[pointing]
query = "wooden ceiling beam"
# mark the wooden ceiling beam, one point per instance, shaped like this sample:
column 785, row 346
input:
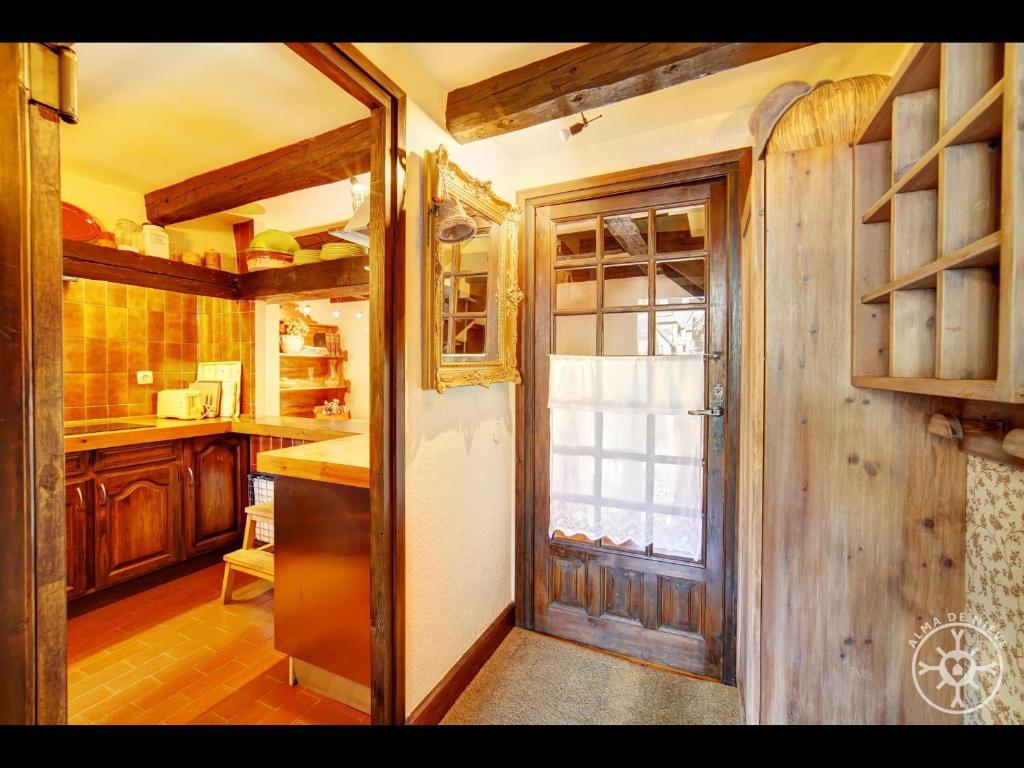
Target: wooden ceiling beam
column 588, row 77
column 332, row 156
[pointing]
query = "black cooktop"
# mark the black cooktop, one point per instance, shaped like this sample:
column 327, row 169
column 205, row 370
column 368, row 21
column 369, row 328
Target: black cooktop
column 100, row 426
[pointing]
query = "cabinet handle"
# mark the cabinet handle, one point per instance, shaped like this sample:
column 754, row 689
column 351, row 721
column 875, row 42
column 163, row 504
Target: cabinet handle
column 191, row 476
column 81, row 498
column 103, row 494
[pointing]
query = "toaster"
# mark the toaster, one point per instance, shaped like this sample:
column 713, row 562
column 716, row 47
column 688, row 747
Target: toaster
column 179, row 404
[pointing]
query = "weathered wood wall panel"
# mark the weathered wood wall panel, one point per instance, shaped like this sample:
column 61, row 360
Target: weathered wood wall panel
column 748, row 608
column 863, row 519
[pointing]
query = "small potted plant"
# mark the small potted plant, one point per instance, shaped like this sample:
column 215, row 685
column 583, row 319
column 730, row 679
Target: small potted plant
column 293, row 335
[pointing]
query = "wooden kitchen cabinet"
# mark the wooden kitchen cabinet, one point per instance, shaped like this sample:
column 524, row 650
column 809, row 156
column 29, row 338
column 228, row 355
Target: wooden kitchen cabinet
column 138, row 521
column 78, row 514
column 214, row 492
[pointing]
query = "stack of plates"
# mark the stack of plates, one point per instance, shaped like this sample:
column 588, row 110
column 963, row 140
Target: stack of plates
column 306, row 256
column 341, row 251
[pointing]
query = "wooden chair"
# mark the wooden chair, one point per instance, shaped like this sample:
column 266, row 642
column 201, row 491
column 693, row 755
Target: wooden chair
column 250, row 559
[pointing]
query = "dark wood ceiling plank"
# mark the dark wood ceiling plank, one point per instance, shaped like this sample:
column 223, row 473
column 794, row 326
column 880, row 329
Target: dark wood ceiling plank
column 332, row 156
column 588, row 77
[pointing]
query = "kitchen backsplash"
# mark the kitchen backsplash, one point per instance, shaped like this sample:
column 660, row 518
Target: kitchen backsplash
column 111, row 331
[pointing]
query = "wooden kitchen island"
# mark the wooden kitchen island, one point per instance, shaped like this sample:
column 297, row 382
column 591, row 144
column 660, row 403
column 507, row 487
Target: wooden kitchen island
column 322, row 564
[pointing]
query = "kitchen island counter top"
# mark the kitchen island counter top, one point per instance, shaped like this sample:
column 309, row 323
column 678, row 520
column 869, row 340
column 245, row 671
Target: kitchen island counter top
column 343, row 461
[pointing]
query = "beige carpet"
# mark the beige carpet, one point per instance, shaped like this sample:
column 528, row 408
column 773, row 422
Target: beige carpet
column 533, row 679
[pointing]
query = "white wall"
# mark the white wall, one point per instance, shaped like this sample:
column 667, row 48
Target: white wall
column 108, row 203
column 460, row 465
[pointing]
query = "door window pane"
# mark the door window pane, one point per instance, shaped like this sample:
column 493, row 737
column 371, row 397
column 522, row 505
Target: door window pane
column 576, row 335
column 625, row 333
column 679, row 332
column 576, row 288
column 679, row 229
column 626, row 235
column 624, row 432
column 626, row 285
column 680, row 282
column 576, row 240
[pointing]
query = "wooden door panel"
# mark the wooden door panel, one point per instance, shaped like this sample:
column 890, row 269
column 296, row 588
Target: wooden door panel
column 624, row 598
column 215, row 493
column 138, row 522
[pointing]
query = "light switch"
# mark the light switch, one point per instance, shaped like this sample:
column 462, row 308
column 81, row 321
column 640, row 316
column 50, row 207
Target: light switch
column 144, row 377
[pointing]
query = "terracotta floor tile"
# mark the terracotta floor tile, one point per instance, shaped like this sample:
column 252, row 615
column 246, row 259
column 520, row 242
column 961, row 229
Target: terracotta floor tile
column 176, row 654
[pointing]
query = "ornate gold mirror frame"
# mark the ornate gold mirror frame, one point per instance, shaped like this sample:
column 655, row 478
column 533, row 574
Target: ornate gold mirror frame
column 498, row 362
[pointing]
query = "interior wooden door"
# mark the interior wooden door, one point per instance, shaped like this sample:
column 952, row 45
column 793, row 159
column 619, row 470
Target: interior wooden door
column 635, row 274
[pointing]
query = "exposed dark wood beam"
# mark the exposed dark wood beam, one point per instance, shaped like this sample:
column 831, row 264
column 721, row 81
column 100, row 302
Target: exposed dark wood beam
column 331, row 156
column 588, row 77
column 320, row 280
column 318, row 239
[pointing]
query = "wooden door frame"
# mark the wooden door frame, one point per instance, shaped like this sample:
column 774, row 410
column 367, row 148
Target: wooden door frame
column 33, row 618
column 732, row 165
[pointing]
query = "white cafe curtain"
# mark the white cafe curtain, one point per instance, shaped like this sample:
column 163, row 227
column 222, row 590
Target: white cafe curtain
column 626, row 458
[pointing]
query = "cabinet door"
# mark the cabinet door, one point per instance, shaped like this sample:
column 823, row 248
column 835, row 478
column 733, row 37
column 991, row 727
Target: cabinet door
column 138, row 522
column 77, row 503
column 214, row 494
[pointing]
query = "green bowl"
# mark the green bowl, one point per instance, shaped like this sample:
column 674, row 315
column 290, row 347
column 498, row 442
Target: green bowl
column 274, row 240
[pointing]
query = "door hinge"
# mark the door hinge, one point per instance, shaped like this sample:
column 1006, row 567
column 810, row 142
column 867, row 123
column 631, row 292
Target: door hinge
column 53, row 78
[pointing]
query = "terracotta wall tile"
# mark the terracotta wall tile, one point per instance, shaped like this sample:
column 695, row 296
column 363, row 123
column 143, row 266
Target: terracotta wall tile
column 155, row 325
column 137, row 325
column 73, row 291
column 95, row 321
column 74, row 390
column 74, row 355
column 117, row 322
column 112, row 331
column 95, row 389
column 95, row 292
column 95, row 356
column 117, row 355
column 74, row 320
column 117, row 295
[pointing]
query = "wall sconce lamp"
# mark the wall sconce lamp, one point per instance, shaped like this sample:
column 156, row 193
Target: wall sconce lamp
column 572, row 130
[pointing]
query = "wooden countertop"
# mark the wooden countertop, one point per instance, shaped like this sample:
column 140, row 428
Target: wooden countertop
column 344, row 461
column 151, row 430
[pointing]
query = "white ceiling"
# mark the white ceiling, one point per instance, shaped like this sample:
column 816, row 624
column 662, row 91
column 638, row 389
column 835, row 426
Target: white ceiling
column 156, row 113
column 454, row 65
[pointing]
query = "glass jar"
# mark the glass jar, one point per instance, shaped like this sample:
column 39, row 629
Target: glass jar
column 126, row 235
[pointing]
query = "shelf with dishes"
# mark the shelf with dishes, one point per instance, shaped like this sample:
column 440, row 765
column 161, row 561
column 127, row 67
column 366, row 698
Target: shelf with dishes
column 274, row 249
column 938, row 211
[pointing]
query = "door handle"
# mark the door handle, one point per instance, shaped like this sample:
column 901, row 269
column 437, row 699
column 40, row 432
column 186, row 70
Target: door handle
column 81, row 498
column 716, row 411
column 191, row 476
column 103, row 494
column 712, row 355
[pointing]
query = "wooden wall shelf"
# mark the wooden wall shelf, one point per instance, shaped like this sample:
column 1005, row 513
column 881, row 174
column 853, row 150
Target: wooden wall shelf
column 984, row 122
column 341, row 278
column 938, row 283
column 99, row 262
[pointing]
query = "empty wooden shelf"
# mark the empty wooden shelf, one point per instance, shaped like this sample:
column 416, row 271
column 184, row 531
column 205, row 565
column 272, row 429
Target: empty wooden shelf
column 938, row 283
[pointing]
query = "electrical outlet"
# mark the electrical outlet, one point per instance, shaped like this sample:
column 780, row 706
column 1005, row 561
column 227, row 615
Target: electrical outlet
column 144, row 377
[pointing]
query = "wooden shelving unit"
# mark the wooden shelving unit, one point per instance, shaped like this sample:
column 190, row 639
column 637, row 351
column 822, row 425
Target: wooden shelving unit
column 299, row 401
column 346, row 279
column 938, row 284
